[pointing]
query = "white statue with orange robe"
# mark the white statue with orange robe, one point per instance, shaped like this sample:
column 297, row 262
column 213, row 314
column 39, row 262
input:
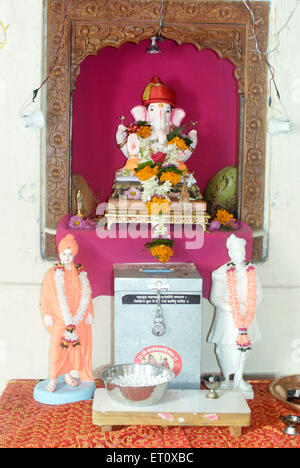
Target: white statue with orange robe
column 67, row 310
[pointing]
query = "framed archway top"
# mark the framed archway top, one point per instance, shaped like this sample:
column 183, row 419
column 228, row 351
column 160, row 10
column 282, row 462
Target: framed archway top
column 225, row 27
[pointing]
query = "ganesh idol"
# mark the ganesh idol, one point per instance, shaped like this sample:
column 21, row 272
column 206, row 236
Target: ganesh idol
column 156, row 146
column 156, row 119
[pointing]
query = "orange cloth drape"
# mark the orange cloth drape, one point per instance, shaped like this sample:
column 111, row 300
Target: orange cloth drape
column 77, row 358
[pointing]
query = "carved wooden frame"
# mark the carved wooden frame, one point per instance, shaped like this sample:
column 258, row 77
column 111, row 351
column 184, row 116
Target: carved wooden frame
column 225, row 27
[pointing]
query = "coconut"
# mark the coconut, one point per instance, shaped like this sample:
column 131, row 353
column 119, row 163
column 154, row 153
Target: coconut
column 221, row 191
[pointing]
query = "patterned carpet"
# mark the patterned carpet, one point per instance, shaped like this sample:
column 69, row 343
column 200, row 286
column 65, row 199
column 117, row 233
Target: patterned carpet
column 24, row 423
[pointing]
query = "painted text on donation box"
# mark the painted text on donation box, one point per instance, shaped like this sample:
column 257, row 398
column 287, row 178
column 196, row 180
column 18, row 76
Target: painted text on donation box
column 157, row 319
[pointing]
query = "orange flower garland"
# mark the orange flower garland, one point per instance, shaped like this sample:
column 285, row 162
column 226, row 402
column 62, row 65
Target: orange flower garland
column 179, row 142
column 147, row 172
column 223, row 217
column 162, row 253
column 242, row 321
column 144, row 131
column 161, row 249
column 171, row 177
column 158, row 205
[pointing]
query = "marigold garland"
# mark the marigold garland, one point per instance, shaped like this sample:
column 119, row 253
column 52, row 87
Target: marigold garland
column 223, row 217
column 170, row 173
column 182, row 141
column 179, row 142
column 242, row 321
column 171, row 177
column 162, row 253
column 158, row 205
column 144, row 131
column 161, row 249
column 141, row 128
column 146, row 172
column 224, row 221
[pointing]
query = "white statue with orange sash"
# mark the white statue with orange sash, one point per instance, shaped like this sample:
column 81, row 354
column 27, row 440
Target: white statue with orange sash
column 67, row 311
column 236, row 292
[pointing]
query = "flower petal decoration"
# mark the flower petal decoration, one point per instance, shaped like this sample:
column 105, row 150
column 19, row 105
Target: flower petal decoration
column 75, row 222
column 159, row 157
column 133, row 193
column 214, row 226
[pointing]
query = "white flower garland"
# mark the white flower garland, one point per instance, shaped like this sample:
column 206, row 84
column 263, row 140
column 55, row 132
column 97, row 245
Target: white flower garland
column 83, row 305
column 152, row 187
column 147, row 147
column 158, row 224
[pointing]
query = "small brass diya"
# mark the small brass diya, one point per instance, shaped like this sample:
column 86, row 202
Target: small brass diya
column 292, row 423
column 212, row 382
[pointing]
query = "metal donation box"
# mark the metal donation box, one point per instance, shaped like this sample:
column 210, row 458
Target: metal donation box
column 157, row 318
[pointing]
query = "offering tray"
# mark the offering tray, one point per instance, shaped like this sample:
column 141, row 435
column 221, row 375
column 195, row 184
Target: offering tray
column 176, row 408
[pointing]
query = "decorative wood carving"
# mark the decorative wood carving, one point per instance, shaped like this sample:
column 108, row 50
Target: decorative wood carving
column 91, row 25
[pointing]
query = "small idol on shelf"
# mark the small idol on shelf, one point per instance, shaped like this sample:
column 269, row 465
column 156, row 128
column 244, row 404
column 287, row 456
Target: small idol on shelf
column 235, row 292
column 78, row 221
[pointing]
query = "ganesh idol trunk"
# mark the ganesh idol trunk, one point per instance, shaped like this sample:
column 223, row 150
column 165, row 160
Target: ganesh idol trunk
column 157, row 319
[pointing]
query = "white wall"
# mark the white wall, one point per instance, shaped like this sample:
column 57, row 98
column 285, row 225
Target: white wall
column 23, row 340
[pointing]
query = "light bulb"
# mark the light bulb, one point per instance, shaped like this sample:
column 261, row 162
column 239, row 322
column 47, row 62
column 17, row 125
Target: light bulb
column 153, row 48
column 32, row 120
column 280, row 127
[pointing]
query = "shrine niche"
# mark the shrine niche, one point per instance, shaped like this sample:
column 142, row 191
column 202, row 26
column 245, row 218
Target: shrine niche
column 224, row 27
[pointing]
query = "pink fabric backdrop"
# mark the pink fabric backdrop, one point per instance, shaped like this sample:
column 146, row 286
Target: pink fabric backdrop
column 98, row 255
column 112, row 82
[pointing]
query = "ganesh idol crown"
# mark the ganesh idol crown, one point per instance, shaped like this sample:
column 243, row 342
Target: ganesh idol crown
column 157, row 148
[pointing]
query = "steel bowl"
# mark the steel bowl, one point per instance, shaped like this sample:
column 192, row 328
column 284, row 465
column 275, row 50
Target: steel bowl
column 136, row 384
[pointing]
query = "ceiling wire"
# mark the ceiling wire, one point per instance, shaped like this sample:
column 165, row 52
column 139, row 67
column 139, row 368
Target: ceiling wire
column 257, row 44
column 161, row 18
column 35, row 91
column 284, row 26
column 264, row 54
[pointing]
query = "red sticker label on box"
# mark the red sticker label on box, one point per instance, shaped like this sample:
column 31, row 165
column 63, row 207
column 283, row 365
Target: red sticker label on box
column 160, row 356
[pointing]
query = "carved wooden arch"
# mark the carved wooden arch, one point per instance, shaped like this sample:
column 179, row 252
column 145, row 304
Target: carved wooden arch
column 225, row 27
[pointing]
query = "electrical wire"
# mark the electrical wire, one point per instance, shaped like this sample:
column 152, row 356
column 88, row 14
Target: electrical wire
column 35, row 91
column 161, row 18
column 258, row 47
column 285, row 25
column 264, row 54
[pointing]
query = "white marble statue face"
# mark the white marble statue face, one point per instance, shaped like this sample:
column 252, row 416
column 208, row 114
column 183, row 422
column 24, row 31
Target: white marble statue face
column 66, row 257
column 237, row 252
column 236, row 249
